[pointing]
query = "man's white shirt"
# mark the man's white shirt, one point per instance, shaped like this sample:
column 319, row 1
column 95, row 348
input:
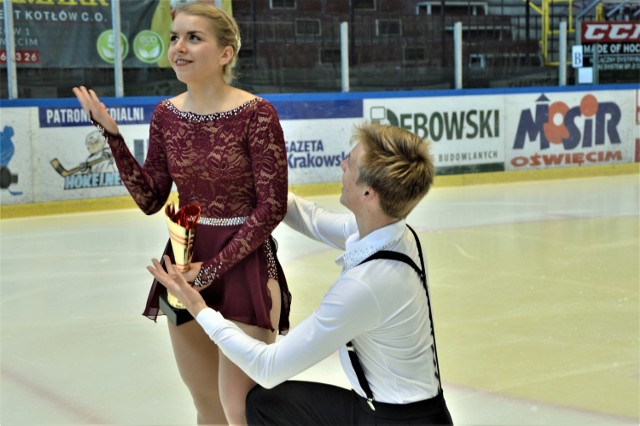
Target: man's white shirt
column 380, row 306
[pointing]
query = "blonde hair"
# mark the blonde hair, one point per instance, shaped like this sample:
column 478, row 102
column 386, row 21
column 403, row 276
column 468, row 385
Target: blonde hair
column 397, row 164
column 224, row 27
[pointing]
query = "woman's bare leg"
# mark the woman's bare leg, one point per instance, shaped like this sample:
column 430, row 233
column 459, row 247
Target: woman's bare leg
column 234, row 384
column 197, row 359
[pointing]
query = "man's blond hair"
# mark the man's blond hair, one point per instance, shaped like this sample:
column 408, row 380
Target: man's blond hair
column 397, row 164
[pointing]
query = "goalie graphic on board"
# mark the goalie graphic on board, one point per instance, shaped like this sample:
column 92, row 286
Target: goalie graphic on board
column 100, row 159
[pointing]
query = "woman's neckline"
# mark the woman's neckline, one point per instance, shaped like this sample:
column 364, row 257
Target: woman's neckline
column 205, row 117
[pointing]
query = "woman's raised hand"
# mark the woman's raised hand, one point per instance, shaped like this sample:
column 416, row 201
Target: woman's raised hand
column 96, row 109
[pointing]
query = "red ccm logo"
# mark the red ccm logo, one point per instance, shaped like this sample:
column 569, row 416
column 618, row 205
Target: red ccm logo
column 611, row 32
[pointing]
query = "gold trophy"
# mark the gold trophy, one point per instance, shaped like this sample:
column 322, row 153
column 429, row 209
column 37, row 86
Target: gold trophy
column 182, row 227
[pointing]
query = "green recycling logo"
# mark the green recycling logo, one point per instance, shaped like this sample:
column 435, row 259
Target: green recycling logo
column 148, row 46
column 106, row 46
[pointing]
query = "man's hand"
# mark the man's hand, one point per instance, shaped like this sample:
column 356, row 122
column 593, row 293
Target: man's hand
column 177, row 285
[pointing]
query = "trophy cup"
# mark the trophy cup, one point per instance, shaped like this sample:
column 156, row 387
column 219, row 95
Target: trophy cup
column 182, row 227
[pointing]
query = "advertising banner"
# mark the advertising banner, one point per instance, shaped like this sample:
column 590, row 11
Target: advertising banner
column 611, row 32
column 569, row 129
column 317, row 133
column 315, row 148
column 52, row 152
column 78, row 33
column 614, row 56
column 637, row 126
column 617, row 44
column 464, row 131
column 75, row 160
column 16, row 155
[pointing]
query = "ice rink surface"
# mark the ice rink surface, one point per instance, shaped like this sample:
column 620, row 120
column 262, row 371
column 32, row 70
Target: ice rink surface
column 534, row 285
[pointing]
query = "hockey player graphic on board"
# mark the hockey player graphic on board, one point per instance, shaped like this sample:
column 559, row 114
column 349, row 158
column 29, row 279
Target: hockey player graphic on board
column 100, row 159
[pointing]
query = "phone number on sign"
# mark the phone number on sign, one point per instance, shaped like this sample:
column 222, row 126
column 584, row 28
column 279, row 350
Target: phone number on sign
column 22, row 56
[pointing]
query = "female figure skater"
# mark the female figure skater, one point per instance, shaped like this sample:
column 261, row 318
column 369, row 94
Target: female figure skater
column 224, row 149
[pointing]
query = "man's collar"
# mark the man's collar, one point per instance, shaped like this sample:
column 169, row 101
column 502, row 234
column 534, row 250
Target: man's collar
column 358, row 249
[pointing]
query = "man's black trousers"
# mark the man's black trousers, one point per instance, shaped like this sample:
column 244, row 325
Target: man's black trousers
column 298, row 403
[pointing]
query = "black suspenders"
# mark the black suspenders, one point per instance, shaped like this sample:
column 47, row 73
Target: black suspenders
column 400, row 257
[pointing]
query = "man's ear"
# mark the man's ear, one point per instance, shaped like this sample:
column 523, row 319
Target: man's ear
column 369, row 193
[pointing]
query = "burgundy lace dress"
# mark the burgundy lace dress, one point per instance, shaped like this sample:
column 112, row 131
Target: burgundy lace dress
column 234, row 165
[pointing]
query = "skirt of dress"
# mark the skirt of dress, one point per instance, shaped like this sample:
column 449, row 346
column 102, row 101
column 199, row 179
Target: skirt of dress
column 241, row 294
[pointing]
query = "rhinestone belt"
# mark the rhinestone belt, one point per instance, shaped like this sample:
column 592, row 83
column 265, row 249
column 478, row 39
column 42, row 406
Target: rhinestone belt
column 222, row 221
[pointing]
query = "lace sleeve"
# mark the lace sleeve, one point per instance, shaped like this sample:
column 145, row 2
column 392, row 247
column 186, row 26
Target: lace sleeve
column 269, row 164
column 149, row 185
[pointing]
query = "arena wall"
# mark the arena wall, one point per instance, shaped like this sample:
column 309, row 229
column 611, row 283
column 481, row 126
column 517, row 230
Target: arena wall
column 44, row 144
